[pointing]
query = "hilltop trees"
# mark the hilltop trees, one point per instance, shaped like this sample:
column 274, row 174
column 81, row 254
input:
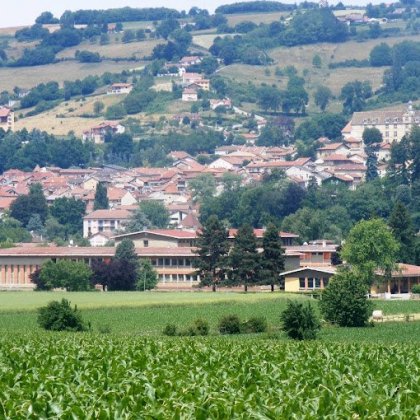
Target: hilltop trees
column 322, row 97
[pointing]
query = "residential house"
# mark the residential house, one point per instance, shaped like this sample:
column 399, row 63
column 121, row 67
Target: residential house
column 332, row 148
column 97, row 134
column 223, row 103
column 105, row 221
column 7, row 119
column 189, row 95
column 120, row 88
column 190, row 60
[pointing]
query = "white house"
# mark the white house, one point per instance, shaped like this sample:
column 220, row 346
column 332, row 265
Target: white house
column 120, row 88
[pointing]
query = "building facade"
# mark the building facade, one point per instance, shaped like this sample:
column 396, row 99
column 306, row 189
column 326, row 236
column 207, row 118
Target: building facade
column 7, row 119
column 393, row 125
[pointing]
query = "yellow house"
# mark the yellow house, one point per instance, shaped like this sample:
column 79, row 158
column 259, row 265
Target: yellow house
column 307, row 279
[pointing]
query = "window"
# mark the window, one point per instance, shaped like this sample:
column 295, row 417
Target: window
column 167, row 261
column 325, row 280
column 154, row 261
column 317, row 283
column 180, row 262
column 160, row 261
column 310, row 283
column 188, row 262
column 301, row 283
column 386, row 133
column 145, row 243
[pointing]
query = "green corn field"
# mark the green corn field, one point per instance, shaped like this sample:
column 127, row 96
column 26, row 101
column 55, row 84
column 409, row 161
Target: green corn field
column 59, row 375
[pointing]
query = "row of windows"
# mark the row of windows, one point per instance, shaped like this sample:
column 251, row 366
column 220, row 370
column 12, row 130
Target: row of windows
column 312, row 282
column 171, row 262
column 177, row 277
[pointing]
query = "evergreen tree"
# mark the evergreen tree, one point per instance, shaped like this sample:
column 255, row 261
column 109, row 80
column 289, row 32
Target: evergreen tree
column 372, row 166
column 126, row 251
column 213, row 248
column 101, row 197
column 244, row 258
column 272, row 257
column 35, row 225
column 402, row 228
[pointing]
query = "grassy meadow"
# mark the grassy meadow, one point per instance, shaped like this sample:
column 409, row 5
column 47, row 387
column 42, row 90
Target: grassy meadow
column 148, row 313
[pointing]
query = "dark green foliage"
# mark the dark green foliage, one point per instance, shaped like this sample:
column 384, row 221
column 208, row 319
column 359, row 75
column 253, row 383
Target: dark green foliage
column 381, row 55
column 354, row 95
column 322, row 97
column 272, row 257
column 371, row 135
column 254, row 325
column 344, row 301
column 403, row 231
column 38, row 281
column 147, row 277
column 299, row 321
column 199, row 327
column 11, row 231
column 101, row 197
column 73, row 276
column 156, row 212
column 32, row 33
column 46, row 18
column 416, row 289
column 229, row 324
column 244, row 260
column 59, row 316
column 27, row 205
column 88, row 57
column 170, row 330
column 69, row 212
column 212, row 249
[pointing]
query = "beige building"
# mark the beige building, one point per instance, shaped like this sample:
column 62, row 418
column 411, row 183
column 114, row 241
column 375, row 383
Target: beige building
column 189, row 95
column 7, row 119
column 105, row 221
column 393, row 125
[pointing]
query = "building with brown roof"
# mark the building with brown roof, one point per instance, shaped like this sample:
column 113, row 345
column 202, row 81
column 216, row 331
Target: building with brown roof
column 7, row 119
column 105, row 221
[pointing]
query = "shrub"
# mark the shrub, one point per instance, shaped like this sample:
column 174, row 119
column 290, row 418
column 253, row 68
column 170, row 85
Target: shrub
column 201, row 327
column 254, row 325
column 416, row 289
column 230, row 324
column 344, row 301
column 59, row 316
column 300, row 321
column 170, row 330
column 104, row 329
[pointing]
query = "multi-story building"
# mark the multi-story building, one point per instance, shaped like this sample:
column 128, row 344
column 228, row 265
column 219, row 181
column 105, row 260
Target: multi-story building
column 120, row 88
column 105, row 221
column 7, row 119
column 97, row 134
column 393, row 125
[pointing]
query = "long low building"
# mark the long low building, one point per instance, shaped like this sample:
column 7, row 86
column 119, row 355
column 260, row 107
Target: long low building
column 174, row 265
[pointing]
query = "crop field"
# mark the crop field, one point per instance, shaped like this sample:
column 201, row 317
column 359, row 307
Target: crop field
column 89, row 376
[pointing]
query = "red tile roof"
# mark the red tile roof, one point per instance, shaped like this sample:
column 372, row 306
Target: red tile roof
column 108, row 214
